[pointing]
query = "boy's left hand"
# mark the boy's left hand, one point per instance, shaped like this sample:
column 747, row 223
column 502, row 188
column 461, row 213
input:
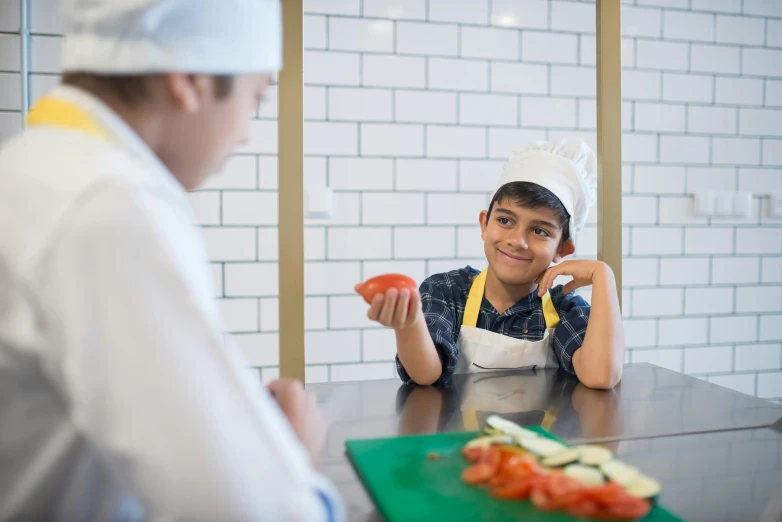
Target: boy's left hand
column 583, row 272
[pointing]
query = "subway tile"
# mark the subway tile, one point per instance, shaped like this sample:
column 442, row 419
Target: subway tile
column 735, row 270
column 759, row 299
column 426, row 174
column 427, row 39
column 364, row 35
column 424, row 242
column 700, row 301
column 392, row 209
column 361, row 173
column 711, row 359
column 684, row 271
column 489, row 42
column 251, row 279
column 459, row 11
column 751, row 357
column 393, row 71
column 454, row 209
column 519, row 78
column 737, row 329
column 397, row 139
column 455, row 74
column 359, row 243
column 680, row 331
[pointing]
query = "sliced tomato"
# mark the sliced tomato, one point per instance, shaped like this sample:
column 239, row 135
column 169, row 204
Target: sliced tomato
column 472, row 454
column 629, row 509
column 565, row 490
column 478, row 473
column 583, row 508
column 541, row 498
column 607, row 494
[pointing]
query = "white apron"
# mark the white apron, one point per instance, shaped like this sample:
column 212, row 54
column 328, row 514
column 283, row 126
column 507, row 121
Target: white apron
column 484, row 351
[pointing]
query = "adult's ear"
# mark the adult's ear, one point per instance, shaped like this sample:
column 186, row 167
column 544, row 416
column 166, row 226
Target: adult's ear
column 188, row 90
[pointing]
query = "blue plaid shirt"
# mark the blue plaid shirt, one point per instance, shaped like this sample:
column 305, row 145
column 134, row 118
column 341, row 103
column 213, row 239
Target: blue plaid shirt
column 444, row 297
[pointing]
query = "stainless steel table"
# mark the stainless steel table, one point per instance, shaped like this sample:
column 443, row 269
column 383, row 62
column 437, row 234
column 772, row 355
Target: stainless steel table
column 652, row 410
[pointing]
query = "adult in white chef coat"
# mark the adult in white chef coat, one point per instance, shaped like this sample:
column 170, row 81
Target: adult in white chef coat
column 118, row 398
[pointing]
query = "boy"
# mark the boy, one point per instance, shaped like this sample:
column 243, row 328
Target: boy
column 121, row 401
column 511, row 316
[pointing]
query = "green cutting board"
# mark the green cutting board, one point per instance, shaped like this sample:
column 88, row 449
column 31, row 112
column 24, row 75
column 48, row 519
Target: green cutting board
column 406, row 486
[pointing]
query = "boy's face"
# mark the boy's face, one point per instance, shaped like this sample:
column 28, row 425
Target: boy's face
column 207, row 128
column 521, row 243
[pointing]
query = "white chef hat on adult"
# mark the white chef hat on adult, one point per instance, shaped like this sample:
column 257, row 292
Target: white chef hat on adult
column 567, row 167
column 127, row 37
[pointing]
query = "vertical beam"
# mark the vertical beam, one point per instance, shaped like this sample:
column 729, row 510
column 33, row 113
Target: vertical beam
column 609, row 137
column 290, row 121
column 24, row 40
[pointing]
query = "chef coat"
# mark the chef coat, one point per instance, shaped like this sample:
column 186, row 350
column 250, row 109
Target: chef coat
column 119, row 399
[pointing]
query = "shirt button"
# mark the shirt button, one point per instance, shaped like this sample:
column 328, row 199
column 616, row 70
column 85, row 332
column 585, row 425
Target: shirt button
column 525, row 331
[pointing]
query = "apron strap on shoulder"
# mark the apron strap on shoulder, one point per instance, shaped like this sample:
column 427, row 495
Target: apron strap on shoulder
column 474, row 299
column 550, row 313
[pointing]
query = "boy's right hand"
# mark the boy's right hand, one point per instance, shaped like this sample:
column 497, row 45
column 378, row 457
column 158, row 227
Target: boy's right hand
column 395, row 309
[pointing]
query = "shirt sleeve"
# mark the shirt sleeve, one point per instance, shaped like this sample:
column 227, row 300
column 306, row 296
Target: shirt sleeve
column 170, row 409
column 569, row 335
column 440, row 315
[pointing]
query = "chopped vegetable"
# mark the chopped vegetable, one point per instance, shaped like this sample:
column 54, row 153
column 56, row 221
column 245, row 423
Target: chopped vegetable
column 512, row 473
column 619, row 472
column 510, row 428
column 433, row 456
column 543, row 447
column 485, row 442
column 587, row 475
column 594, row 455
column 562, row 458
column 643, row 487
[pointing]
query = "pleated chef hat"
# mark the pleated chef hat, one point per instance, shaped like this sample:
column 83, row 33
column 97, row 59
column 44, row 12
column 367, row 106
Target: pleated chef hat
column 155, row 36
column 567, row 167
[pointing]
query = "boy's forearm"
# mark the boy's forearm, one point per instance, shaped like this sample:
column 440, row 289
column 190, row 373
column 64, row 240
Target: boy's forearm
column 599, row 361
column 418, row 354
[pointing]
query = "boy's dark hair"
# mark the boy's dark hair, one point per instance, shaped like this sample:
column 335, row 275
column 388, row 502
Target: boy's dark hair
column 532, row 195
column 133, row 89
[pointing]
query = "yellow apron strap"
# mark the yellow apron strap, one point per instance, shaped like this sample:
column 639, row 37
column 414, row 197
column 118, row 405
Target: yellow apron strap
column 549, row 312
column 473, row 306
column 470, row 419
column 62, row 113
column 548, row 419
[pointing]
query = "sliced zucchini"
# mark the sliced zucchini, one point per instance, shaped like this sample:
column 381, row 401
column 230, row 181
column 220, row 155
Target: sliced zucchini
column 485, row 442
column 643, row 487
column 587, row 475
column 619, row 472
column 594, row 455
column 562, row 458
column 542, row 447
column 510, row 428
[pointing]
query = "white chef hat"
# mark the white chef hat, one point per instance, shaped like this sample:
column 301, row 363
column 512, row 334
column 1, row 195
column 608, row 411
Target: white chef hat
column 155, row 36
column 567, row 167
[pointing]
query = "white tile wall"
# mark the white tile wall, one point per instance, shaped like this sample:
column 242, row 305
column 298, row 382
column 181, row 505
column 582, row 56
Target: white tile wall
column 412, row 107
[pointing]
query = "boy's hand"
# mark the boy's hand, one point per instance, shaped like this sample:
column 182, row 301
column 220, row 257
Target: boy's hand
column 584, row 273
column 396, row 309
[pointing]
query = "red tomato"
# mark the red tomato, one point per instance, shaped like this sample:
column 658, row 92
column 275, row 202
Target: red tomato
column 381, row 283
column 478, row 473
column 584, row 508
column 565, row 490
column 472, row 454
column 628, row 509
